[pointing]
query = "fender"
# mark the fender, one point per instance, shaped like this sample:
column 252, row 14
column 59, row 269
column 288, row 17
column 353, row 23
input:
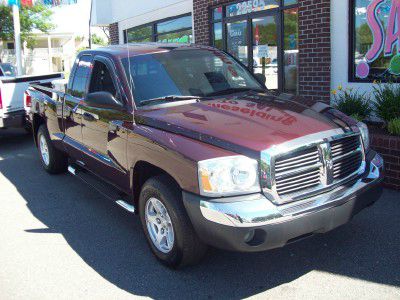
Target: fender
column 175, row 154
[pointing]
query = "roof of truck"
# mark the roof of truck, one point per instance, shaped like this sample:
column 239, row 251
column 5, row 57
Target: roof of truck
column 135, row 49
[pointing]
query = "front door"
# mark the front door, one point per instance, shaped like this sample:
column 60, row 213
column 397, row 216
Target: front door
column 102, row 138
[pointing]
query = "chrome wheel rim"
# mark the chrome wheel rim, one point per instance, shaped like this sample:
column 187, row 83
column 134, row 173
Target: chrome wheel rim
column 44, row 150
column 159, row 225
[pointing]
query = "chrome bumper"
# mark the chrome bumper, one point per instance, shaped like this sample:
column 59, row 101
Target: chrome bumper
column 256, row 210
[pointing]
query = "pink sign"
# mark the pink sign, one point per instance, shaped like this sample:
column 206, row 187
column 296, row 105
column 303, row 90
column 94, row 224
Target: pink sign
column 383, row 39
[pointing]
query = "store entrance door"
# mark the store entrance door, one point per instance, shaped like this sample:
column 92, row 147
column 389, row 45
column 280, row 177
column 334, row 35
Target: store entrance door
column 265, row 49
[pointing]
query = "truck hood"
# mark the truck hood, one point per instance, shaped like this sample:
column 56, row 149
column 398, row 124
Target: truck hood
column 253, row 122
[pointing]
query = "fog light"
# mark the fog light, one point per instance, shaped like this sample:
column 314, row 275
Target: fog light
column 377, row 161
column 249, row 236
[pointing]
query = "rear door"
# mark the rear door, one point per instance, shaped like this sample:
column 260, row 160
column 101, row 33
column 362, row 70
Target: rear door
column 102, row 136
column 72, row 115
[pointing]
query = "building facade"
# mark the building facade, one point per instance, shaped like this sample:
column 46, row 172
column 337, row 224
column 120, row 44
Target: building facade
column 304, row 47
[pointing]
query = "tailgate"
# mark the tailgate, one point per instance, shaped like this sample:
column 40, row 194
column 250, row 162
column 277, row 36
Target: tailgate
column 12, row 90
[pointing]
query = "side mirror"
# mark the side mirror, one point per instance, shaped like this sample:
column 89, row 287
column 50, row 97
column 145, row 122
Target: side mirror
column 260, row 78
column 102, row 100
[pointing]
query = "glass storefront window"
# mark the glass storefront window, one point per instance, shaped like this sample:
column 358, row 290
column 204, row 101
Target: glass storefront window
column 176, row 30
column 217, row 13
column 289, row 2
column 174, row 24
column 263, row 35
column 176, row 37
column 139, row 34
column 291, row 50
column 265, row 49
column 246, row 7
column 237, row 40
column 375, row 49
column 218, row 42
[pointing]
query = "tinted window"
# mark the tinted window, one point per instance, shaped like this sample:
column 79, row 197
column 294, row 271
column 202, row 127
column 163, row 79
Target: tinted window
column 81, row 76
column 7, row 70
column 101, row 80
column 139, row 34
column 175, row 24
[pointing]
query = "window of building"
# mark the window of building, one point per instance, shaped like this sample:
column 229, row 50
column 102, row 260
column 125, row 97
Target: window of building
column 263, row 35
column 171, row 30
column 374, row 41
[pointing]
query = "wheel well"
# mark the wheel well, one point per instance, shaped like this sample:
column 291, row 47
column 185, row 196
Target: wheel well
column 141, row 173
column 36, row 122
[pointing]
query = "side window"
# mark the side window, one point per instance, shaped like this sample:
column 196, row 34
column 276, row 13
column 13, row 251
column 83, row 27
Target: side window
column 81, row 76
column 101, row 80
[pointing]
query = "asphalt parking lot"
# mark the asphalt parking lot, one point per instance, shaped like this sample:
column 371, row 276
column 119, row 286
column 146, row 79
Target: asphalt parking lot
column 61, row 240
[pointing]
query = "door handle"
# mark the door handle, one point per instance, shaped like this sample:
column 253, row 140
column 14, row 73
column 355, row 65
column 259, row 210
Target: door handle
column 88, row 117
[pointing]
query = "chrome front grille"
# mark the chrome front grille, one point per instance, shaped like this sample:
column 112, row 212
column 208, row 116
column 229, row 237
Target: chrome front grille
column 297, row 170
column 346, row 156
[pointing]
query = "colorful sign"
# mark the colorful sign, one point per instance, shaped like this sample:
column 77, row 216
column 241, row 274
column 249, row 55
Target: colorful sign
column 385, row 40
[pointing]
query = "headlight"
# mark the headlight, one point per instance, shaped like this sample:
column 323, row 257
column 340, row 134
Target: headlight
column 228, row 176
column 364, row 134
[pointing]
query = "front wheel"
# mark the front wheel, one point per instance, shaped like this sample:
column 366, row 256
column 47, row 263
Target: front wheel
column 53, row 160
column 166, row 224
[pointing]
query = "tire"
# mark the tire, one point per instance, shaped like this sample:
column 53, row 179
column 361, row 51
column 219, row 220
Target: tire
column 56, row 161
column 186, row 248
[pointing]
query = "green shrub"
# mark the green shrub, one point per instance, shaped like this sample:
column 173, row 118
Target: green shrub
column 387, row 101
column 352, row 103
column 394, row 126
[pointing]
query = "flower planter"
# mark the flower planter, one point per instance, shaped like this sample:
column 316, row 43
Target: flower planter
column 389, row 147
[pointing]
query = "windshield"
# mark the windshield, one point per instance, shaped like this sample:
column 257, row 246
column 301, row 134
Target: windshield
column 8, row 70
column 186, row 72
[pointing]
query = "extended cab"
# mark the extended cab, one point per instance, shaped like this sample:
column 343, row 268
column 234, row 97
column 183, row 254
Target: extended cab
column 12, row 88
column 186, row 137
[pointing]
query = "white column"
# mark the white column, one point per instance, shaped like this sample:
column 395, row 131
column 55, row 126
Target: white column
column 50, row 53
column 17, row 38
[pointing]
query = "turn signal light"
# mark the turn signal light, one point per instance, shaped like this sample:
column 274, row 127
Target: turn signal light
column 28, row 100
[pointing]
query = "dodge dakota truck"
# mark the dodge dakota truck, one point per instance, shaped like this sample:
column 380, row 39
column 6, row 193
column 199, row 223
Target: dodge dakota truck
column 12, row 88
column 191, row 141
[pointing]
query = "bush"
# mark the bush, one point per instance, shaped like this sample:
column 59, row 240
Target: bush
column 352, row 103
column 387, row 101
column 394, row 126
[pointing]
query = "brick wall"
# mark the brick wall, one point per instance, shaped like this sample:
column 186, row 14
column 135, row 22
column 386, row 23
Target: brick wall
column 315, row 49
column 114, row 34
column 314, row 44
column 389, row 148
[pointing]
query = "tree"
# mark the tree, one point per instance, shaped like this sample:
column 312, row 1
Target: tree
column 106, row 31
column 98, row 40
column 31, row 17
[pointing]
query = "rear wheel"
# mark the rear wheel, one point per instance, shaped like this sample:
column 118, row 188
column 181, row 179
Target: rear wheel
column 53, row 160
column 166, row 224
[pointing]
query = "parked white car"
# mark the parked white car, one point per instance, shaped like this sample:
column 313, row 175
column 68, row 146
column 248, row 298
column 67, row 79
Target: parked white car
column 12, row 89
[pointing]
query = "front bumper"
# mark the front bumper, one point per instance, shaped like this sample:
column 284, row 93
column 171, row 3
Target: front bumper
column 253, row 223
column 13, row 119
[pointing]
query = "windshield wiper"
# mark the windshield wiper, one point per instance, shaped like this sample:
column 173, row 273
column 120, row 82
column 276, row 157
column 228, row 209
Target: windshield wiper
column 170, row 98
column 233, row 90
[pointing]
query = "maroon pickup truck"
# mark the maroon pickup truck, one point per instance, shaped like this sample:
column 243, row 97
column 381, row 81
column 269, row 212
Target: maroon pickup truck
column 186, row 137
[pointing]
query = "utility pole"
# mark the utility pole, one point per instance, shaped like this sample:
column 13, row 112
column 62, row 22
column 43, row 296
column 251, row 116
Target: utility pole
column 17, row 37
